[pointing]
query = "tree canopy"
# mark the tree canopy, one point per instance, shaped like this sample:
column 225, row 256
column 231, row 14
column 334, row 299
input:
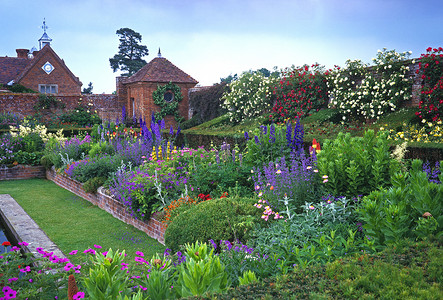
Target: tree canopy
column 129, row 58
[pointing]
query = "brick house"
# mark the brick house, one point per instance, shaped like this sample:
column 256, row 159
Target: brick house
column 136, row 92
column 41, row 71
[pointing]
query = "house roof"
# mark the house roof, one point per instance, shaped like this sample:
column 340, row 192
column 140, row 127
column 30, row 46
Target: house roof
column 14, row 68
column 11, row 67
column 161, row 70
column 47, row 48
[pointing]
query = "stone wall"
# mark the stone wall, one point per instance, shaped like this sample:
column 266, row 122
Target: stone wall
column 153, row 228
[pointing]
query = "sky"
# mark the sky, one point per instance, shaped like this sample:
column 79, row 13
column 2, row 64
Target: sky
column 213, row 39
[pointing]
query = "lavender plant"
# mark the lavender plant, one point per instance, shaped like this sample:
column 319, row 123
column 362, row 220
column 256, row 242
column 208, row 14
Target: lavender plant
column 297, row 180
column 268, row 145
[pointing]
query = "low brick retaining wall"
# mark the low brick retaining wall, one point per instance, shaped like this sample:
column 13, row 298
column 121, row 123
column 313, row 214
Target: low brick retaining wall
column 153, row 228
column 22, row 172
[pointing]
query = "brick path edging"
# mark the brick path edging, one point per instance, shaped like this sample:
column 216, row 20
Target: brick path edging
column 153, row 228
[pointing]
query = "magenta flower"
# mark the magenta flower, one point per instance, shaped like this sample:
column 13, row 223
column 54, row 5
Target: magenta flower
column 79, row 295
column 12, row 279
column 9, row 293
column 26, row 270
column 90, row 250
column 98, row 246
column 23, row 244
column 74, row 252
column 139, row 253
column 68, row 267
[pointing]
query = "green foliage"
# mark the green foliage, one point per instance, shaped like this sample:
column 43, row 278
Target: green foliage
column 356, row 165
column 99, row 166
column 206, row 103
column 18, row 88
column 28, row 158
column 32, row 142
column 129, row 58
column 167, row 107
column 106, row 278
column 214, row 219
column 247, row 278
column 101, row 148
column 9, row 119
column 80, row 116
column 249, row 96
column 201, row 274
column 265, row 144
column 91, row 185
column 397, row 213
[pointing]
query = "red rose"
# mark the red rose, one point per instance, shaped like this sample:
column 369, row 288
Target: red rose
column 6, row 244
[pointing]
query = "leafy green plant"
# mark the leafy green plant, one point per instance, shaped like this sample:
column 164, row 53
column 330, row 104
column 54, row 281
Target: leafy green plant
column 247, row 278
column 356, row 165
column 391, row 215
column 81, row 116
column 106, row 278
column 201, row 275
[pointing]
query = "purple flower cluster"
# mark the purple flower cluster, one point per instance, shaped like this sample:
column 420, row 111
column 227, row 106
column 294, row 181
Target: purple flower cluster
column 432, row 172
column 295, row 142
column 297, row 180
column 8, row 148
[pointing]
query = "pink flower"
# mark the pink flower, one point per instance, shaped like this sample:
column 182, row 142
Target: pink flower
column 74, row 252
column 98, row 246
column 79, row 295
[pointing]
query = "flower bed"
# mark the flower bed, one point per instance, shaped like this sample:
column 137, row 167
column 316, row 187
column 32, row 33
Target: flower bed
column 21, row 172
column 153, row 228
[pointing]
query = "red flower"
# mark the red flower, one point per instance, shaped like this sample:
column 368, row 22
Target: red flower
column 6, row 244
column 429, row 49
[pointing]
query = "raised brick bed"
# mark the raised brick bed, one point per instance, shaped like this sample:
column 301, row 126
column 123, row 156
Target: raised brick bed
column 153, row 228
column 21, row 172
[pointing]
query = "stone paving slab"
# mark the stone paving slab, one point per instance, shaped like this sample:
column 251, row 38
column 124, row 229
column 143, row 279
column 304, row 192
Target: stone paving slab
column 24, row 228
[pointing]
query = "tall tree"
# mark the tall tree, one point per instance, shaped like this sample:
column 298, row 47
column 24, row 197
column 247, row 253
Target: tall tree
column 130, row 54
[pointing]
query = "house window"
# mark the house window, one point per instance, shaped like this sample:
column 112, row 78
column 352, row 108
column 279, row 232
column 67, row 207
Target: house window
column 48, row 88
column 168, row 96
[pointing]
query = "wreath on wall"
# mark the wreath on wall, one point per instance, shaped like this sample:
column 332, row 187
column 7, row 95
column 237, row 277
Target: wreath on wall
column 172, row 93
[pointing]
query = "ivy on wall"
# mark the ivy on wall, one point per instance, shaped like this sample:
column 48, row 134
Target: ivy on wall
column 167, row 107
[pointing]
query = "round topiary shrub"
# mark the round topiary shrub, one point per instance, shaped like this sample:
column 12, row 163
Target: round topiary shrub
column 217, row 219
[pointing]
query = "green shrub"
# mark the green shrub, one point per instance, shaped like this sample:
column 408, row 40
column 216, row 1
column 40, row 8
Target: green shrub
column 356, row 165
column 93, row 184
column 206, row 105
column 28, row 158
column 217, row 219
column 391, row 215
column 101, row 148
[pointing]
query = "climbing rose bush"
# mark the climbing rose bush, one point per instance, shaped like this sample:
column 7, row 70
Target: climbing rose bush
column 249, row 96
column 431, row 69
column 299, row 91
column 360, row 91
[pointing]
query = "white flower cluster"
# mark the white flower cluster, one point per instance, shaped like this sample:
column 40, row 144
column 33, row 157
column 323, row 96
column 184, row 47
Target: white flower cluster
column 358, row 92
column 41, row 130
column 249, row 96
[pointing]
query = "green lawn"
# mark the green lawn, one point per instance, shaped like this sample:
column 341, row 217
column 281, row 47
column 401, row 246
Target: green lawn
column 72, row 222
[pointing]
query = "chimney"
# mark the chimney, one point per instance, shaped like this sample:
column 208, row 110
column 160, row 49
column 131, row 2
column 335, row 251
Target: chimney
column 22, row 53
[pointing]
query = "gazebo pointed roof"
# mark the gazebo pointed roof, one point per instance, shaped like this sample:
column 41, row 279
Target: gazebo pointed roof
column 161, row 70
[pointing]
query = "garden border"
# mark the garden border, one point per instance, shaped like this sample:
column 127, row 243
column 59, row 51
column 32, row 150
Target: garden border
column 153, row 228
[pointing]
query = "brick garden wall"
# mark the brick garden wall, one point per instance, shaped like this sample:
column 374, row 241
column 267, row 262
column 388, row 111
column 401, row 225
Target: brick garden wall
column 106, row 105
column 153, row 228
column 22, row 172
